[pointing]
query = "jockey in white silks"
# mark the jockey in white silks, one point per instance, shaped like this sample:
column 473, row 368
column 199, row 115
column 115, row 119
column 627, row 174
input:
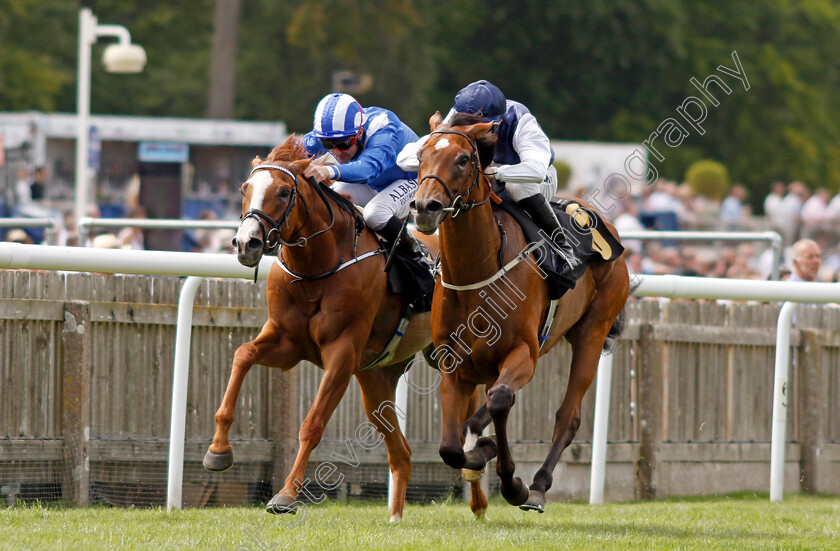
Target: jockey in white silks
column 523, row 159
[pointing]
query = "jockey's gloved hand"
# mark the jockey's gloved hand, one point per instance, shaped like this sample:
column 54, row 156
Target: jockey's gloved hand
column 321, row 173
column 490, row 172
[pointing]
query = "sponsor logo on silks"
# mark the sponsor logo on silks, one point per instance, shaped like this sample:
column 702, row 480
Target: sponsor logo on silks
column 399, row 192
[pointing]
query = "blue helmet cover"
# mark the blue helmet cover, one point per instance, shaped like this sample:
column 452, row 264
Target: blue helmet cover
column 481, row 98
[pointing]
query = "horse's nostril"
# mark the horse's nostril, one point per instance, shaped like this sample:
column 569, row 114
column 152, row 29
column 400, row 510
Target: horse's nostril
column 255, row 243
column 434, row 206
column 412, row 205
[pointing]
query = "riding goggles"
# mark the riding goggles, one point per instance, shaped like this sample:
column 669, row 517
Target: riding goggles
column 342, row 144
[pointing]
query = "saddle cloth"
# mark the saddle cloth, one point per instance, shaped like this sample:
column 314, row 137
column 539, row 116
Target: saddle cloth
column 587, row 234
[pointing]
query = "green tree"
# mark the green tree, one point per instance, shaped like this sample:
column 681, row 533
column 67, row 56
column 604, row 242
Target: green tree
column 33, row 70
column 598, row 70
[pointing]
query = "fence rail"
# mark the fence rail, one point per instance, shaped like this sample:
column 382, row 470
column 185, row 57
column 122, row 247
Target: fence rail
column 692, row 382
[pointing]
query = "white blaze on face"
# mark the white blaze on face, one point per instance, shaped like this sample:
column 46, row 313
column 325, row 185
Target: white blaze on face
column 260, row 182
column 442, row 143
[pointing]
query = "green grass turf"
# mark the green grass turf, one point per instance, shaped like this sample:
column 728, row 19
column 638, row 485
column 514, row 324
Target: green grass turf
column 732, row 523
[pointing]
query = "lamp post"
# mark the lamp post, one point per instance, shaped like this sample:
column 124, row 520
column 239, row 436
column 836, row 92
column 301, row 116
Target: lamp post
column 122, row 57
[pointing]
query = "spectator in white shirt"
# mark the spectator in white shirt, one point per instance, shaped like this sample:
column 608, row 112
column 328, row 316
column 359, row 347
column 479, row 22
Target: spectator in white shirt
column 814, row 213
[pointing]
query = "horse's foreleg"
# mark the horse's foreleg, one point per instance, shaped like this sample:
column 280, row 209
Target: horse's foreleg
column 340, row 359
column 517, row 370
column 454, row 400
column 378, row 393
column 586, row 351
column 268, row 349
column 475, row 424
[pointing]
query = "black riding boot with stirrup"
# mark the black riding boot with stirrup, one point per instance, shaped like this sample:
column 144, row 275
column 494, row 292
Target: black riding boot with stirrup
column 407, row 244
column 538, row 207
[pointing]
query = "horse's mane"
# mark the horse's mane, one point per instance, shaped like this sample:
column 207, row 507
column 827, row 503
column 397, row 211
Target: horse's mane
column 290, row 150
column 486, row 144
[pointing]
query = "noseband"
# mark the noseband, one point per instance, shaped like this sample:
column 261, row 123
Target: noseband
column 456, row 200
column 271, row 228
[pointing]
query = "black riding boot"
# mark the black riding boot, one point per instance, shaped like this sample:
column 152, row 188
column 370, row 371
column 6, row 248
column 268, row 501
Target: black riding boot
column 407, row 244
column 540, row 210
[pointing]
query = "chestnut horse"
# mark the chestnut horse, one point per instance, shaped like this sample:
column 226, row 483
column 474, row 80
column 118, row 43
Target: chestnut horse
column 329, row 304
column 502, row 345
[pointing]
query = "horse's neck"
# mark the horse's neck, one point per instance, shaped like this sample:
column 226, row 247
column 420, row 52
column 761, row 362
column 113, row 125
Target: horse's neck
column 469, row 246
column 322, row 252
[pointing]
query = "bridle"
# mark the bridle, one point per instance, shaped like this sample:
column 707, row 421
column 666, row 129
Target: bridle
column 271, row 228
column 456, row 199
column 269, row 244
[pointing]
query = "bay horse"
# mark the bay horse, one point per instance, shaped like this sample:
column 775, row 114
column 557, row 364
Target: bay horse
column 502, row 345
column 329, row 304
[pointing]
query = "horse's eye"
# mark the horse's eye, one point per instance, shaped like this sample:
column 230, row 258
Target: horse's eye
column 284, row 193
column 242, row 190
column 463, row 160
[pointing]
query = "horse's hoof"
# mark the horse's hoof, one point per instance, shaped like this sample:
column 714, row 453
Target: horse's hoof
column 218, row 462
column 536, row 502
column 516, row 493
column 281, row 504
column 472, row 475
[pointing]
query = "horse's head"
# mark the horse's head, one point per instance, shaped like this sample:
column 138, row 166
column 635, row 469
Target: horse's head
column 451, row 164
column 269, row 196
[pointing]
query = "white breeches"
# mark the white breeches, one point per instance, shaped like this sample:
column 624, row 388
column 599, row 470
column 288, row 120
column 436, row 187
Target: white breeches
column 548, row 187
column 380, row 206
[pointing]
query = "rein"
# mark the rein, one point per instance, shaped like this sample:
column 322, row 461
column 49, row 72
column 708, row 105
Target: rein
column 275, row 226
column 456, row 200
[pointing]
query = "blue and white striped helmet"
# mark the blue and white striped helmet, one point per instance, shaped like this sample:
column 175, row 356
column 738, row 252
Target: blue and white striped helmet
column 337, row 116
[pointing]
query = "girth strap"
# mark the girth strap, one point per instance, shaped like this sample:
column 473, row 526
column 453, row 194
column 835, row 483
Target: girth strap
column 388, row 352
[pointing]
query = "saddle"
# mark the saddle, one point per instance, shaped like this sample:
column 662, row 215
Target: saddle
column 411, row 278
column 585, row 230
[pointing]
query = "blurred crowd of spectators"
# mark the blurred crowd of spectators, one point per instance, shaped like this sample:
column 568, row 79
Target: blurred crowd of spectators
column 797, row 214
column 32, row 197
column 792, row 210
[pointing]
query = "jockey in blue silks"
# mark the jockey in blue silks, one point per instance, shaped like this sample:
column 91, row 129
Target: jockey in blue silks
column 523, row 160
column 365, row 143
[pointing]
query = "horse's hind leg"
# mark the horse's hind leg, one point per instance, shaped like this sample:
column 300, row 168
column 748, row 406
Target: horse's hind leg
column 378, row 392
column 268, row 349
column 474, row 444
column 479, row 449
column 517, row 370
column 587, row 342
column 587, row 339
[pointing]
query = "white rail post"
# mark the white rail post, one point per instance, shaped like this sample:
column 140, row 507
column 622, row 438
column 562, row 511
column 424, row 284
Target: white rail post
column 603, row 386
column 180, row 379
column 780, row 401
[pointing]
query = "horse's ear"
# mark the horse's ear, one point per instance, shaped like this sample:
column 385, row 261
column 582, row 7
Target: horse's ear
column 300, row 165
column 256, row 161
column 435, row 121
column 485, row 141
column 476, row 131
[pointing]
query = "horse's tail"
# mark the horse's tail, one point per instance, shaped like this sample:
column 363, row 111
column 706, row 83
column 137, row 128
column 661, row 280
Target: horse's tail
column 613, row 337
